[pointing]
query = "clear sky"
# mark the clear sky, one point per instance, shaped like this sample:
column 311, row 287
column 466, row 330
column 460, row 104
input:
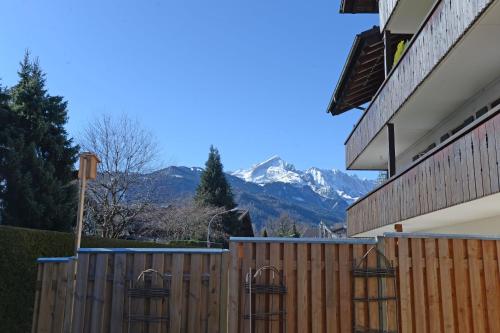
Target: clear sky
column 251, row 77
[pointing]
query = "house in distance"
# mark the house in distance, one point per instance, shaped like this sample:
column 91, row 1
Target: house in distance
column 428, row 80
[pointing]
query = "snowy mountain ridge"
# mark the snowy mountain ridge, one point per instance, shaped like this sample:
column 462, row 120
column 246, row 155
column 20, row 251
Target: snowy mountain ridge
column 330, row 183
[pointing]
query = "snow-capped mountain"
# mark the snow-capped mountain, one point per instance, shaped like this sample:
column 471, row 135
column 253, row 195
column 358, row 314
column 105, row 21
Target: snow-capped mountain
column 267, row 190
column 327, row 183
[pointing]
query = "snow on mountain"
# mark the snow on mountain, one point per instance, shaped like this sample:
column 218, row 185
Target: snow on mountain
column 270, row 171
column 327, row 183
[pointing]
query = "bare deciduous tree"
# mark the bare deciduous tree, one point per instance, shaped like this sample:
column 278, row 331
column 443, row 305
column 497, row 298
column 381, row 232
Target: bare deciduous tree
column 127, row 151
column 284, row 226
column 185, row 221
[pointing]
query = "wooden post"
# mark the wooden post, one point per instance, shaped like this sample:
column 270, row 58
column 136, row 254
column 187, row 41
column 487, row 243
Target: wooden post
column 81, row 201
column 398, row 227
column 392, row 150
column 88, row 170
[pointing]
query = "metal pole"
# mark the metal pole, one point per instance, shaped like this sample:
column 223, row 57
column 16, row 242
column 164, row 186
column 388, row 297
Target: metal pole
column 81, row 201
column 208, row 229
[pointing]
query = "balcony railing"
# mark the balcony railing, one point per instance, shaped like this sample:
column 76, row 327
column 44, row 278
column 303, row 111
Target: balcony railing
column 443, row 28
column 465, row 168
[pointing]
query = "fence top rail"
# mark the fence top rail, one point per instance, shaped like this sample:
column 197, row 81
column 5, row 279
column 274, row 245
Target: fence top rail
column 54, row 259
column 153, row 250
column 303, row 240
column 448, row 236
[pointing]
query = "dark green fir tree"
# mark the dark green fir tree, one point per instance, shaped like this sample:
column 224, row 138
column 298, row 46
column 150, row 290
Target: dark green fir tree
column 214, row 190
column 37, row 156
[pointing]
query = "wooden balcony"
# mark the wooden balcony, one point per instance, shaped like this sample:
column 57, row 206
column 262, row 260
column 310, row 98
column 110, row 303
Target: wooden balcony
column 464, row 168
column 446, row 25
column 386, row 8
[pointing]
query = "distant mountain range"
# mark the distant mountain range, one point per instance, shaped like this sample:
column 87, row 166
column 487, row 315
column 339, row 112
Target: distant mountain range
column 269, row 189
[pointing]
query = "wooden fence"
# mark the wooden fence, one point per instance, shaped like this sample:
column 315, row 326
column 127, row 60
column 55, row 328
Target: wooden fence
column 443, row 284
column 317, row 277
column 400, row 283
column 187, row 296
column 446, row 283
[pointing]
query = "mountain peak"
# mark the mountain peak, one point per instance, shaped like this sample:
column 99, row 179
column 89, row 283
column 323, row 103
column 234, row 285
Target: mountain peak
column 330, row 183
column 272, row 170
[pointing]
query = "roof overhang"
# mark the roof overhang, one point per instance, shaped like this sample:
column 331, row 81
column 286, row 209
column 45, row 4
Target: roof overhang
column 358, row 6
column 363, row 73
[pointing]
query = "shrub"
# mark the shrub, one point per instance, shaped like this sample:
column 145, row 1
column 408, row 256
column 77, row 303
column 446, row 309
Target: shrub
column 19, row 249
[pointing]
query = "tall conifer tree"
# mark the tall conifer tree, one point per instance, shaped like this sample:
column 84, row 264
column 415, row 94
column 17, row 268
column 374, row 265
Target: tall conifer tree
column 214, row 189
column 37, row 156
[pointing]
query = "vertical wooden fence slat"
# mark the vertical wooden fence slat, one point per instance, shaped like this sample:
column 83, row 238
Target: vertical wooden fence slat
column 317, row 288
column 117, row 303
column 360, row 291
column 70, row 295
column 405, row 286
column 214, row 296
column 345, row 280
column 60, row 299
column 433, row 289
column 158, row 261
column 492, row 285
column 331, row 288
column 176, row 294
column 36, row 307
column 290, row 272
column 446, row 284
column 462, row 286
column 137, row 304
column 302, row 292
column 249, row 251
column 45, row 317
column 476, row 272
column 234, row 289
column 373, row 306
column 98, row 292
column 223, row 291
column 420, row 306
column 194, row 318
column 260, row 299
column 80, row 293
column 391, row 287
column 274, row 299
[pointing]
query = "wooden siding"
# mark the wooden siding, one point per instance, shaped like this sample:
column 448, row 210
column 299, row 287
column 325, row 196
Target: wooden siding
column 385, row 8
column 465, row 169
column 197, row 300
column 445, row 26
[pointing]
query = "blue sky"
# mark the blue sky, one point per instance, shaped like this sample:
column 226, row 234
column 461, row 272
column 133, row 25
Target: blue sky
column 251, row 77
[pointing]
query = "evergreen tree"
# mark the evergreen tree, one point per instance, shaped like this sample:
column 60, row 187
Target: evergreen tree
column 214, row 189
column 37, row 157
column 264, row 233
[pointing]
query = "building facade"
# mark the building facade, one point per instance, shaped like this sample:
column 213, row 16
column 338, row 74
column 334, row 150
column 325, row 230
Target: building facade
column 428, row 80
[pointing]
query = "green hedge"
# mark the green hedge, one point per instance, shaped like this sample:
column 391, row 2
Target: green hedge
column 19, row 249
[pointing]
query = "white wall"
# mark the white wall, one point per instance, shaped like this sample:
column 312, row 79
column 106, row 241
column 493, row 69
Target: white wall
column 486, row 227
